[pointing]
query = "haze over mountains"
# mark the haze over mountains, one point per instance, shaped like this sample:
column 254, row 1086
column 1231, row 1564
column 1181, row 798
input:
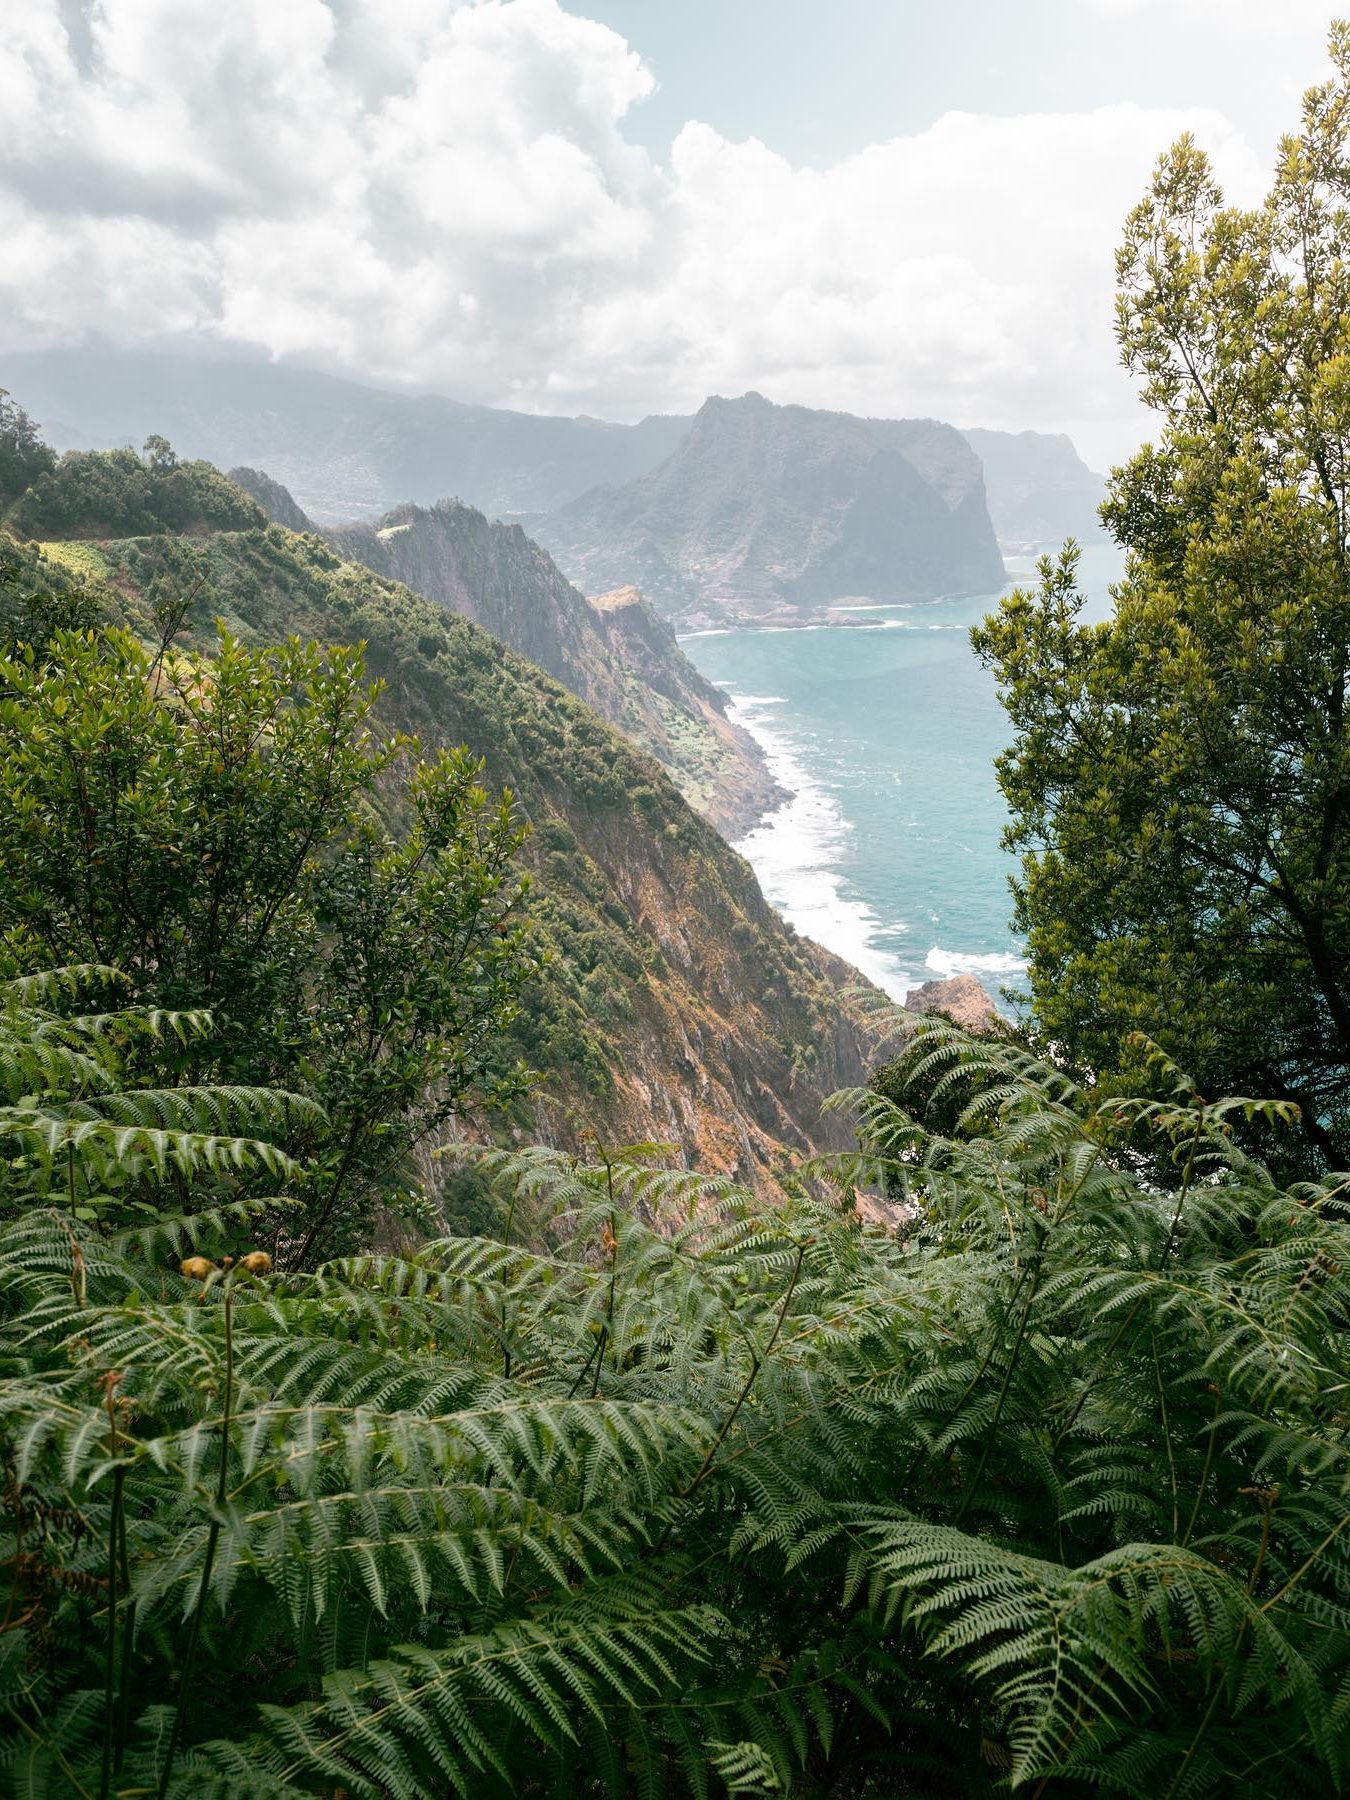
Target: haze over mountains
column 349, row 451
column 345, row 451
column 763, row 511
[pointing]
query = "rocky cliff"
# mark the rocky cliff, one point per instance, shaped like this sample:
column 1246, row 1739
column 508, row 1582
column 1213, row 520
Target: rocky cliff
column 676, row 1005
column 275, row 500
column 1040, row 490
column 767, row 512
column 614, row 654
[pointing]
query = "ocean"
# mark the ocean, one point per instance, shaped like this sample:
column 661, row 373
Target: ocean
column 884, row 734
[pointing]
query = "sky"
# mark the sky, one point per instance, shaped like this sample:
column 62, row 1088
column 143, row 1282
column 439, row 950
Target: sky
column 618, row 207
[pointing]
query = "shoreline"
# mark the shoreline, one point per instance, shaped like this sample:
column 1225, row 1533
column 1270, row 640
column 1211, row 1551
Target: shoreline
column 800, row 851
column 795, row 850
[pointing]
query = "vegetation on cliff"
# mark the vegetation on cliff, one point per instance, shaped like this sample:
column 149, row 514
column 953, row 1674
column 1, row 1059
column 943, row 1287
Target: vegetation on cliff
column 672, row 1003
column 621, row 659
column 206, row 827
column 116, row 493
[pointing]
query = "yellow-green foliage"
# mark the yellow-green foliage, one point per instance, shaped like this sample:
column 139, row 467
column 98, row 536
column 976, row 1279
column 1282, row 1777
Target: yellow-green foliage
column 75, row 557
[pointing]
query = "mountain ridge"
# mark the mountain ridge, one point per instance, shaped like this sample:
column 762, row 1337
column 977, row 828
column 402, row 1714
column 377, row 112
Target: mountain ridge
column 619, row 657
column 1039, row 488
column 343, row 449
column 764, row 511
column 346, row 449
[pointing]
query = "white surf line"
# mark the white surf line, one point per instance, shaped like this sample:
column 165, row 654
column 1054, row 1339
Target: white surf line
column 796, row 849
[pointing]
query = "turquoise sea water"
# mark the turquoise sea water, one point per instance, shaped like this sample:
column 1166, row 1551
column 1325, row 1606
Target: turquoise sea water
column 884, row 733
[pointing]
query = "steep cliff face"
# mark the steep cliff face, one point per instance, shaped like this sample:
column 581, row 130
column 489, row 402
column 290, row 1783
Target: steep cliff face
column 275, row 500
column 765, row 512
column 1040, row 490
column 676, row 1005
column 617, row 657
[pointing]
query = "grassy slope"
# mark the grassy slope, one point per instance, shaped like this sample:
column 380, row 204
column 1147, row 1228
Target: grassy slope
column 622, row 661
column 678, row 1005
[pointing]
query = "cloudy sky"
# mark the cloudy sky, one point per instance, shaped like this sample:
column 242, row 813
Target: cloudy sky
column 619, row 206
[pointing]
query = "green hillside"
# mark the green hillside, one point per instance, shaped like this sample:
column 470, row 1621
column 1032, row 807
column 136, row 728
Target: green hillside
column 622, row 659
column 676, row 1005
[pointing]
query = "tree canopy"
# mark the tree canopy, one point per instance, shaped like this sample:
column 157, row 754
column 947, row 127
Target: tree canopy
column 1180, row 776
column 209, row 826
column 116, row 493
column 23, row 455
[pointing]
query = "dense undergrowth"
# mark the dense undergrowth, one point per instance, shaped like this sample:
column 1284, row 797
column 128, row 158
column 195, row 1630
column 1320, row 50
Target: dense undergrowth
column 690, row 1497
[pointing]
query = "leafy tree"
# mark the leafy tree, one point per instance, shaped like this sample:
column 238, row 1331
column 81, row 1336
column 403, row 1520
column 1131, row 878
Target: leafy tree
column 208, row 825
column 159, row 454
column 23, row 455
column 115, row 493
column 1180, row 776
column 35, row 606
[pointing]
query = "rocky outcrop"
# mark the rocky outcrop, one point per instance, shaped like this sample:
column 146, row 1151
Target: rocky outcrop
column 276, row 501
column 614, row 653
column 960, row 997
column 764, row 513
column 1040, row 490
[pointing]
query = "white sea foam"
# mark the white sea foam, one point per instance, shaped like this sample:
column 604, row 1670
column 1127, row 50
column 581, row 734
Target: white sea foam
column 955, row 962
column 872, row 606
column 796, row 852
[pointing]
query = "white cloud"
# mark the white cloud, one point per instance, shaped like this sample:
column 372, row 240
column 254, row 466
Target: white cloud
column 441, row 194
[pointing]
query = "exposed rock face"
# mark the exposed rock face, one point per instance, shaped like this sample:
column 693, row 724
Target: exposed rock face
column 1040, row 490
column 275, row 500
column 614, row 653
column 960, row 996
column 344, row 450
column 765, row 512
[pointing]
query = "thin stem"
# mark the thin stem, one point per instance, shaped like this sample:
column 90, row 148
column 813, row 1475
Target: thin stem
column 596, row 1348
column 212, row 1539
column 128, row 1644
column 1303, row 1567
column 1186, row 1174
column 1204, row 1473
column 988, row 1443
column 757, row 1361
column 1167, row 1436
column 1266, row 1502
column 35, row 1737
column 111, row 1381
column 110, row 1650
column 612, row 1245
column 1091, row 1381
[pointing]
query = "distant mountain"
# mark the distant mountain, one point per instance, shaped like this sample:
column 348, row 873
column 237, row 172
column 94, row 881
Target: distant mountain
column 345, row 451
column 1040, row 490
column 615, row 654
column 764, row 511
